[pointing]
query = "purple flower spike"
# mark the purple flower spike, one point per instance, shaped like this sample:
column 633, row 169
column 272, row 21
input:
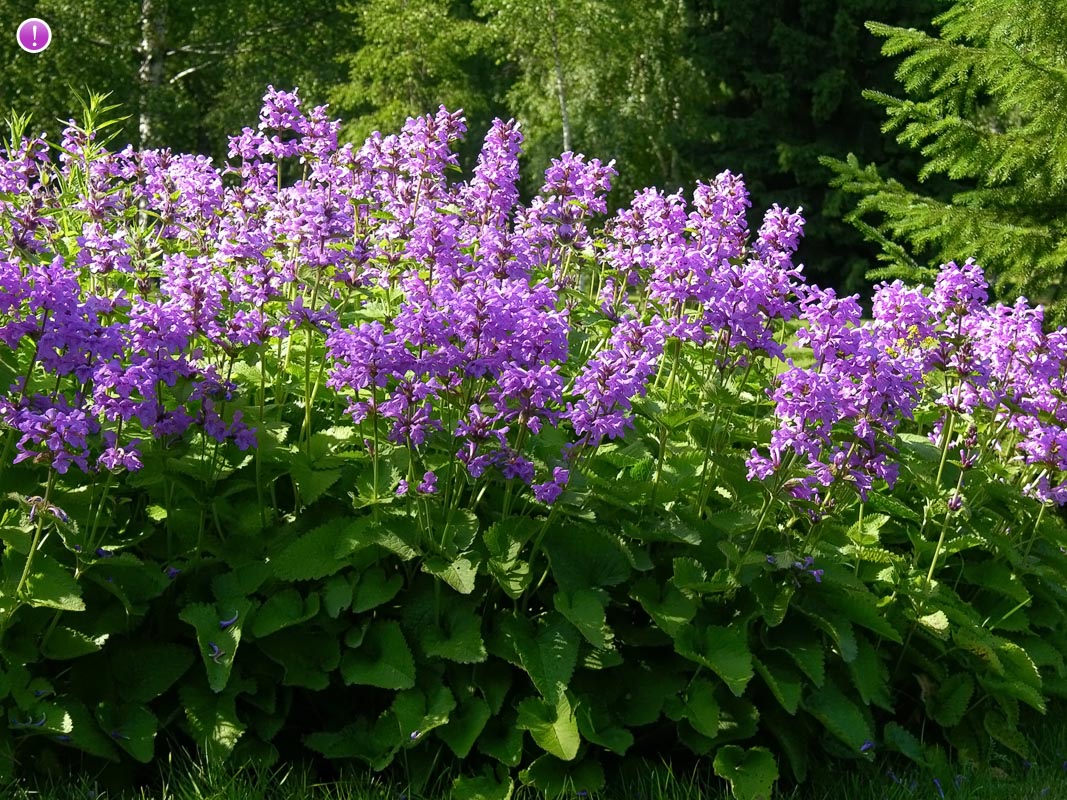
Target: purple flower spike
column 173, row 572
column 867, row 745
column 102, row 553
column 225, row 623
column 937, row 784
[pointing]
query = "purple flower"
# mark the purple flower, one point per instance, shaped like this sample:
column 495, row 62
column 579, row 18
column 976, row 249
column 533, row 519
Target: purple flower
column 429, row 483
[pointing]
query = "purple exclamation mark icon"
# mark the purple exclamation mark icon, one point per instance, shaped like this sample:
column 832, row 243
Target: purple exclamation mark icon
column 34, row 35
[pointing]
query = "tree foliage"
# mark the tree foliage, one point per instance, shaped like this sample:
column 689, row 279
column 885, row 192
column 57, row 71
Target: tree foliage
column 791, row 74
column 986, row 107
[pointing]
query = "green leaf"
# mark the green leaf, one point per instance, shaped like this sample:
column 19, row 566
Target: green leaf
column 669, row 608
column 936, row 623
column 50, row 584
column 459, row 574
column 893, row 507
column 724, row 650
column 839, row 715
column 949, row 703
column 782, row 679
column 143, row 670
column 310, row 482
column 751, row 773
column 553, row 777
column 457, row 637
column 904, row 742
column 870, row 676
column 417, row 712
column 320, row 552
column 549, row 656
column 1005, row 731
column 283, row 609
column 375, row 742
column 701, row 707
column 374, row 587
column 396, row 533
column 502, row 740
column 132, row 727
column 802, row 645
column 598, row 726
column 213, row 719
column 337, row 595
column 553, row 726
column 309, row 656
column 383, row 659
column 481, row 787
column 465, row 726
column 584, row 557
column 218, row 643
column 585, row 609
column 65, row 643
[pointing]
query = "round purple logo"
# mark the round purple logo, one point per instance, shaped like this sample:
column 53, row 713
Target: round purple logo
column 34, row 35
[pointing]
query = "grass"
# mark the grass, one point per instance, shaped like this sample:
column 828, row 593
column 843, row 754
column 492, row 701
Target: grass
column 885, row 778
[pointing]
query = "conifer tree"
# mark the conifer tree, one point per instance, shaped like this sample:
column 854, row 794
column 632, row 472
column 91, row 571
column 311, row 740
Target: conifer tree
column 986, row 106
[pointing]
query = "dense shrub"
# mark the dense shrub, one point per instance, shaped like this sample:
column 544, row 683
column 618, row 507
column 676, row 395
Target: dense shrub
column 388, row 466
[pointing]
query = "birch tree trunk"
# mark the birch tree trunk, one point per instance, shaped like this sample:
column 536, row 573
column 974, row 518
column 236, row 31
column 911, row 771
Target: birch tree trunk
column 150, row 71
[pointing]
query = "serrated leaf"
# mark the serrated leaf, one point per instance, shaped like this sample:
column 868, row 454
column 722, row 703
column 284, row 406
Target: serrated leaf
column 396, row 533
column 870, row 676
column 1005, row 731
column 667, row 606
column 282, row 609
column 839, row 715
column 585, row 609
column 893, row 507
column 310, row 482
column 374, row 588
column 337, row 595
column 320, row 552
column 465, row 726
column 132, row 727
column 552, row 777
column 218, row 642
column 460, row 574
column 553, row 726
column 949, row 703
column 804, row 648
column 457, row 637
column 782, row 679
column 751, row 773
column 417, row 712
column 585, row 558
column 50, row 584
column 308, row 656
column 724, row 650
column 65, row 643
column 701, row 707
column 142, row 671
column 383, row 659
column 548, row 653
column 213, row 720
column 481, row 787
column 598, row 727
column 375, row 742
column 936, row 623
column 904, row 742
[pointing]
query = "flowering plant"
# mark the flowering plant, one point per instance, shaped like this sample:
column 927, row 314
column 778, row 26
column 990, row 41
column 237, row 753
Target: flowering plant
column 329, row 429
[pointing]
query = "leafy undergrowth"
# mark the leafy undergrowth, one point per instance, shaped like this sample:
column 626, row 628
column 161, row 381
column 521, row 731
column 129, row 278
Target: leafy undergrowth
column 381, row 466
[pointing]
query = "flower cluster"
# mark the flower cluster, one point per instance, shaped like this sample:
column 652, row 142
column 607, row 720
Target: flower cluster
column 449, row 316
